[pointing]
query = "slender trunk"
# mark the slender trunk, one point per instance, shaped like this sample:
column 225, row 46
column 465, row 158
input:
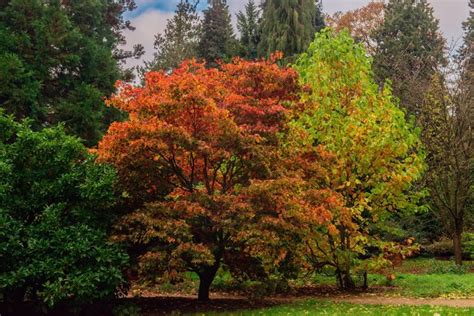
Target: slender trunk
column 366, row 284
column 457, row 238
column 339, row 279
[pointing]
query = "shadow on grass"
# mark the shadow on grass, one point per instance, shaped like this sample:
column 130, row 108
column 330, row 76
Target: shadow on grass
column 150, row 306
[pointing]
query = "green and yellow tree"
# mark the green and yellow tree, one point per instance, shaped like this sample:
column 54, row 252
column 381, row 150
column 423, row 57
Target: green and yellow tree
column 373, row 154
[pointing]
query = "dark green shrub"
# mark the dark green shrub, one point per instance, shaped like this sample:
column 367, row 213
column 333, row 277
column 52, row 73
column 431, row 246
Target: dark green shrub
column 55, row 209
column 444, row 247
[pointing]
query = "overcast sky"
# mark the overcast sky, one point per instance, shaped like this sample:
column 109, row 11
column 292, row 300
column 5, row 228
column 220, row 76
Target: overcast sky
column 150, row 18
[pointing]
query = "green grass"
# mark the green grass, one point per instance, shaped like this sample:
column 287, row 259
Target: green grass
column 419, row 277
column 434, row 285
column 318, row 307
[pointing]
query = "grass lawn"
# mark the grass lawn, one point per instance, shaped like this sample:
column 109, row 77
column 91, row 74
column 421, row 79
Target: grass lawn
column 422, row 278
column 435, row 285
column 318, row 307
column 414, row 278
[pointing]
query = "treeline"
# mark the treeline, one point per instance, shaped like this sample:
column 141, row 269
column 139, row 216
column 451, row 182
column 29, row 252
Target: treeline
column 267, row 154
column 264, row 28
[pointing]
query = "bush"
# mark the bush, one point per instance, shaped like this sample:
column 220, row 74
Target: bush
column 444, row 247
column 55, row 206
column 253, row 289
column 437, row 267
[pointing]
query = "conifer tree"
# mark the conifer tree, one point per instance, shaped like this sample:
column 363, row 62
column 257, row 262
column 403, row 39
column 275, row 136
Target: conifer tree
column 217, row 40
column 467, row 50
column 247, row 24
column 409, row 50
column 180, row 39
column 318, row 19
column 58, row 59
column 287, row 26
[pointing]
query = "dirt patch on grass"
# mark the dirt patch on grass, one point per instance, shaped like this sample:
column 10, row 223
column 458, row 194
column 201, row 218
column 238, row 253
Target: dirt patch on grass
column 155, row 304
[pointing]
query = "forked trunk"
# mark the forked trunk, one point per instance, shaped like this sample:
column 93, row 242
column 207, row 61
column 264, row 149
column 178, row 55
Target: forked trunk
column 348, row 281
column 345, row 281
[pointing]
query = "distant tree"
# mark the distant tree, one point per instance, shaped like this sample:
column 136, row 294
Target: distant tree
column 466, row 56
column 180, row 39
column 287, row 26
column 318, row 19
column 59, row 59
column 248, row 26
column 409, row 50
column 446, row 117
column 360, row 23
column 217, row 40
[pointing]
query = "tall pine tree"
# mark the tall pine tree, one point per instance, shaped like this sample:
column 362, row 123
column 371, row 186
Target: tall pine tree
column 217, row 40
column 248, row 24
column 409, row 50
column 180, row 39
column 58, row 59
column 467, row 50
column 287, row 26
column 318, row 18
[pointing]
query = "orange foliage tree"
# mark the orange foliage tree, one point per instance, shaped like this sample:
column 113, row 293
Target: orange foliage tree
column 201, row 151
column 360, row 22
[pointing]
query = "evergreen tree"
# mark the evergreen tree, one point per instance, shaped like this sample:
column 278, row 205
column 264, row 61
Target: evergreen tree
column 409, row 50
column 467, row 50
column 180, row 39
column 58, row 59
column 287, row 26
column 248, row 24
column 318, row 19
column 217, row 40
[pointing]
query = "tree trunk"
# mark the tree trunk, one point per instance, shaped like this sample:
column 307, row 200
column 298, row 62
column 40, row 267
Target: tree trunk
column 205, row 281
column 457, row 238
column 344, row 280
column 204, row 285
column 366, row 284
column 348, row 281
column 339, row 279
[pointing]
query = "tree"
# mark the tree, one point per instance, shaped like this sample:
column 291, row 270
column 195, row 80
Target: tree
column 372, row 155
column 409, row 50
column 447, row 119
column 180, row 39
column 466, row 55
column 319, row 22
column 217, row 40
column 248, row 26
column 55, row 208
column 211, row 134
column 360, row 23
column 287, row 26
column 59, row 58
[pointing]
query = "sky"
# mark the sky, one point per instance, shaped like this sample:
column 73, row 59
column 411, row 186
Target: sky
column 151, row 15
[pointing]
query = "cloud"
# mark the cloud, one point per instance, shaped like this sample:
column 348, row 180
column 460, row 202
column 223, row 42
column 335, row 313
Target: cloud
column 146, row 26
